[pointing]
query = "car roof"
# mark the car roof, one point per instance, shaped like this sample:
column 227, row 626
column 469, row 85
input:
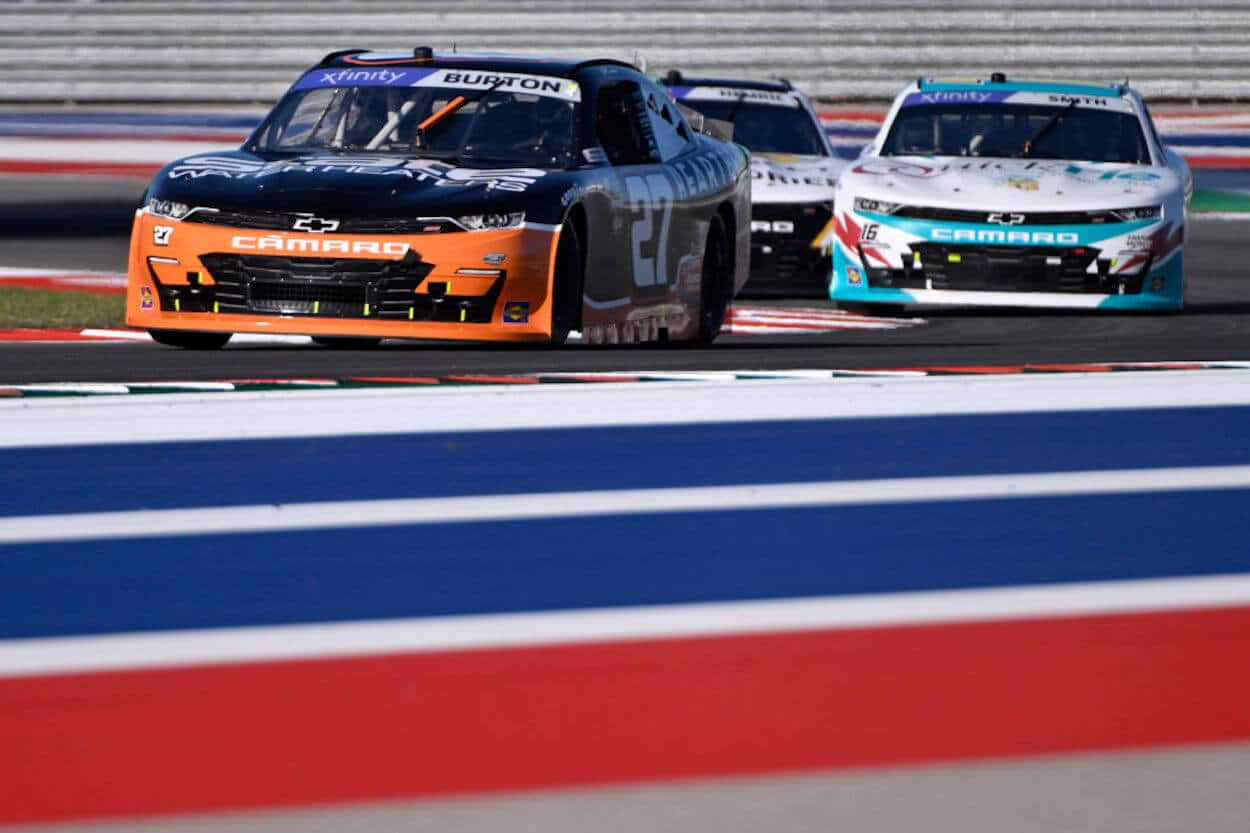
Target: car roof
column 1020, row 86
column 489, row 62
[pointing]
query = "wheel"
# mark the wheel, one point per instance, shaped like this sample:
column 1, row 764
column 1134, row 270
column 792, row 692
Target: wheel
column 347, row 342
column 190, row 340
column 717, row 282
column 566, row 301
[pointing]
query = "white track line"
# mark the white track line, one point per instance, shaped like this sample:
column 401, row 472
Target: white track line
column 62, row 421
column 408, row 511
column 133, row 651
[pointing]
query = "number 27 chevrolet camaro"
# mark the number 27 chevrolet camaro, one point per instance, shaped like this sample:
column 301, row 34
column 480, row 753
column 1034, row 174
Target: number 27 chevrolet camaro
column 1004, row 193
column 410, row 195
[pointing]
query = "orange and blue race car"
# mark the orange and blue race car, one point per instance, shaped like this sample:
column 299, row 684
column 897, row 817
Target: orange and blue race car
column 414, row 195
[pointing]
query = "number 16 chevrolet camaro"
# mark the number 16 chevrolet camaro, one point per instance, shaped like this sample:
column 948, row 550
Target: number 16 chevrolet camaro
column 409, row 195
column 1003, row 193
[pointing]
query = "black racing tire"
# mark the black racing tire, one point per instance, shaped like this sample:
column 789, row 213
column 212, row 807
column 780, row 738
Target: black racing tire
column 190, row 340
column 347, row 342
column 567, row 284
column 717, row 282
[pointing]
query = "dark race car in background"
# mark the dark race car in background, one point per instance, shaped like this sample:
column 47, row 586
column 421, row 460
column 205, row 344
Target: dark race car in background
column 793, row 168
column 410, row 195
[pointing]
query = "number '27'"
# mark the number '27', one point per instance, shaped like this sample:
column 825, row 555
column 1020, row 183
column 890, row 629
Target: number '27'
column 651, row 202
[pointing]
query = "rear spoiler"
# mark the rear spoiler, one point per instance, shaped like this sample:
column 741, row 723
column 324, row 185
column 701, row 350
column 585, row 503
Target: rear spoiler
column 717, row 129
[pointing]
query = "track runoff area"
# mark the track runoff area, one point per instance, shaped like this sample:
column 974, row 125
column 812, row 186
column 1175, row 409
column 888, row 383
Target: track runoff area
column 228, row 601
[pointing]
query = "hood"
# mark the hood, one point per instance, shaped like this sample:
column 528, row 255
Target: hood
column 786, row 178
column 329, row 182
column 1007, row 184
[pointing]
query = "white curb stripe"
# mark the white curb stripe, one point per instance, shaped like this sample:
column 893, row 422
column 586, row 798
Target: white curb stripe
column 133, row 651
column 528, row 506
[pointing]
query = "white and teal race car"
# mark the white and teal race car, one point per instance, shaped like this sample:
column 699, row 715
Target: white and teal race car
column 1011, row 193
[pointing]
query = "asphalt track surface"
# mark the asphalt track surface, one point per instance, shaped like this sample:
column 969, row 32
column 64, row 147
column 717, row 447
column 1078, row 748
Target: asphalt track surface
column 87, row 230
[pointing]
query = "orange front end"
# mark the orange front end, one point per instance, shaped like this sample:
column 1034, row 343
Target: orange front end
column 491, row 285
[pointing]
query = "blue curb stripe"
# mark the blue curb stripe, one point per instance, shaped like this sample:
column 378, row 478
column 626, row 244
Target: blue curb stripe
column 591, row 562
column 241, row 472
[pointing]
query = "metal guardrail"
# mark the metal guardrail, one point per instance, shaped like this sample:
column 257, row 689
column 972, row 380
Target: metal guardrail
column 248, row 51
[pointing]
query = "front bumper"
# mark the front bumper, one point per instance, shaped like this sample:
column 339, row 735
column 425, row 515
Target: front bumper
column 879, row 259
column 484, row 285
column 790, row 245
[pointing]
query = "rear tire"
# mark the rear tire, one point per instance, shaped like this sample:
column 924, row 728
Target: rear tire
column 716, row 283
column 567, row 282
column 190, row 340
column 347, row 342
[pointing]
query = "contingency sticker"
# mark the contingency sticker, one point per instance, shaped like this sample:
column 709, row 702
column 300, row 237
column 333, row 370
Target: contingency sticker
column 516, row 312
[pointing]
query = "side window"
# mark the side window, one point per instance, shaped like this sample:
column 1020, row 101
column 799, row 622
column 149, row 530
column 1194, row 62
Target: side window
column 1150, row 125
column 670, row 131
column 621, row 126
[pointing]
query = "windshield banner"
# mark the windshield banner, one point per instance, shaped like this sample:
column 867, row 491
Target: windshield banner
column 460, row 79
column 980, row 96
column 775, row 99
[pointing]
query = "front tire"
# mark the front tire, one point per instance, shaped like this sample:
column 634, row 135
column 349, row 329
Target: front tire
column 716, row 284
column 566, row 289
column 190, row 340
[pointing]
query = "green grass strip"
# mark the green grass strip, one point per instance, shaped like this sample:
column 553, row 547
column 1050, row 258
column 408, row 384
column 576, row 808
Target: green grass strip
column 60, row 310
column 1220, row 201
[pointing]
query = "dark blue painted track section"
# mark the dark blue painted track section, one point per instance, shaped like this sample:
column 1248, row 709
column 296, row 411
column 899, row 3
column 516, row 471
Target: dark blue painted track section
column 175, row 475
column 265, row 579
column 144, row 584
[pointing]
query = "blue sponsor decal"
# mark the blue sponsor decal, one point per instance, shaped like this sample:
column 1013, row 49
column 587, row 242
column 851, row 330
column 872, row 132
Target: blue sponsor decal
column 361, row 77
column 854, row 276
column 960, row 96
column 1022, row 87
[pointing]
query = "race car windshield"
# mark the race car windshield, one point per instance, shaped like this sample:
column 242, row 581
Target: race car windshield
column 498, row 127
column 1005, row 130
column 766, row 128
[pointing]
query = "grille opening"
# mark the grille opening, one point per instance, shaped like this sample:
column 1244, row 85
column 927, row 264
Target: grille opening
column 341, row 288
column 1005, row 269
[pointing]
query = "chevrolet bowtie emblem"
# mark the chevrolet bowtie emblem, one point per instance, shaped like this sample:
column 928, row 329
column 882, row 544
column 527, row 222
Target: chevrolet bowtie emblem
column 1006, row 219
column 313, row 223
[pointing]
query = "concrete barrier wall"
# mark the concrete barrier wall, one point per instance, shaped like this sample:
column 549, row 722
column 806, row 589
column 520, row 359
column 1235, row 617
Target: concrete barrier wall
column 249, row 50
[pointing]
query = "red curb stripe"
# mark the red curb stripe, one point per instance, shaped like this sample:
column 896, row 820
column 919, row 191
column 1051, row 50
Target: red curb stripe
column 494, row 380
column 40, row 166
column 1217, row 161
column 117, row 744
column 63, row 283
column 23, row 334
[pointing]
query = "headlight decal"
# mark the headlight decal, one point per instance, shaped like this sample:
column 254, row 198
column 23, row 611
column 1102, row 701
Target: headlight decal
column 491, row 222
column 168, row 208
